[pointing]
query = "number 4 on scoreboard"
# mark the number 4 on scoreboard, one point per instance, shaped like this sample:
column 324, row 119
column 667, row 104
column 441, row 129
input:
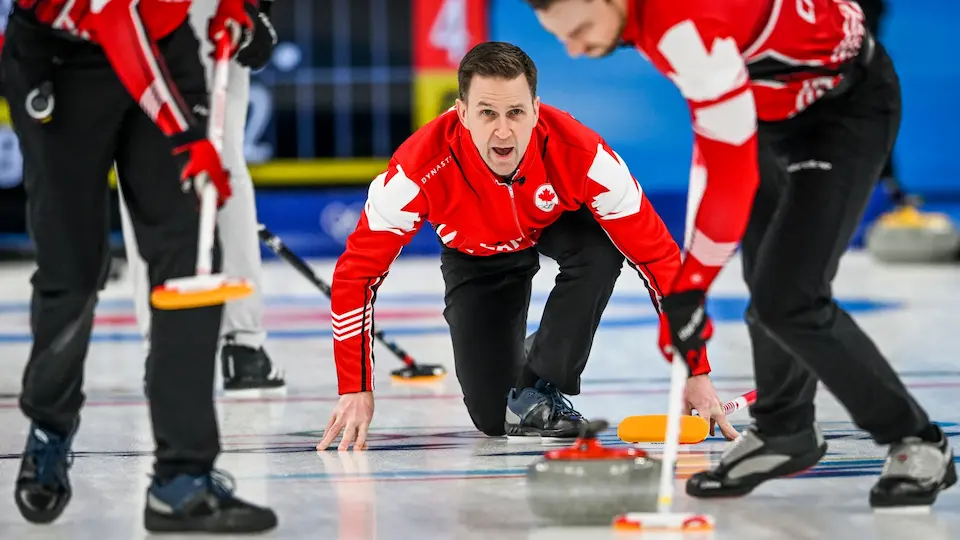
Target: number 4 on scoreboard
column 449, row 31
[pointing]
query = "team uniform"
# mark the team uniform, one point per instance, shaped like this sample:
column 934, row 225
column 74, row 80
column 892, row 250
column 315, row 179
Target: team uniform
column 125, row 78
column 795, row 108
column 572, row 199
column 245, row 364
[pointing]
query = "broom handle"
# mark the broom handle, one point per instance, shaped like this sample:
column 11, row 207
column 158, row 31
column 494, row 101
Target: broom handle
column 277, row 246
column 208, row 223
column 208, row 192
column 678, row 379
column 740, row 402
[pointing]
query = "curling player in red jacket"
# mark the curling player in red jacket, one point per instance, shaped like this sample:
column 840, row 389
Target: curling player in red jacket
column 503, row 179
column 92, row 84
column 795, row 107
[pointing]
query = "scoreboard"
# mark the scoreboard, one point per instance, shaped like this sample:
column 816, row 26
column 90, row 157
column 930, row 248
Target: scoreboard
column 350, row 80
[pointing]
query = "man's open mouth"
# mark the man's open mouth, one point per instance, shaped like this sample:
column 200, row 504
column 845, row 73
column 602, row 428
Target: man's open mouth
column 503, row 151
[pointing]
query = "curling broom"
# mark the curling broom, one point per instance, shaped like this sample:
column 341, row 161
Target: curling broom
column 664, row 518
column 411, row 372
column 693, row 429
column 206, row 288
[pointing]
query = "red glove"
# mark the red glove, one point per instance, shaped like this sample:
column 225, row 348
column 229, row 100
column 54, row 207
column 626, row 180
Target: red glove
column 685, row 329
column 236, row 19
column 205, row 159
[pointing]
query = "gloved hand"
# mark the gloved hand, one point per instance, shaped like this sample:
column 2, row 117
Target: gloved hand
column 235, row 18
column 258, row 52
column 203, row 158
column 685, row 329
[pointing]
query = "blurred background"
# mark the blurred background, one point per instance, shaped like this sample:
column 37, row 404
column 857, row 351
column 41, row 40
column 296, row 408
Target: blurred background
column 351, row 79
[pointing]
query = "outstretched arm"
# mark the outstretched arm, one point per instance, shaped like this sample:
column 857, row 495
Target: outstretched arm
column 392, row 215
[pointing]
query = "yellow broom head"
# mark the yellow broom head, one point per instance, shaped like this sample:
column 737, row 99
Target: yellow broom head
column 653, row 428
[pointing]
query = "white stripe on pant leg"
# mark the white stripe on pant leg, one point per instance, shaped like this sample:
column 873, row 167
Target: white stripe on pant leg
column 137, row 270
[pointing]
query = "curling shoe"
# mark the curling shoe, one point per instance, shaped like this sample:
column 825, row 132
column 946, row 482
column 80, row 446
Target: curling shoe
column 43, row 489
column 541, row 411
column 202, row 503
column 249, row 371
column 914, row 473
column 754, row 458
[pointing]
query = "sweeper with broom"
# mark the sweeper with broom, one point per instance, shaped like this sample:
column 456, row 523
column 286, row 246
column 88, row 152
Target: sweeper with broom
column 504, row 178
column 795, row 107
column 115, row 82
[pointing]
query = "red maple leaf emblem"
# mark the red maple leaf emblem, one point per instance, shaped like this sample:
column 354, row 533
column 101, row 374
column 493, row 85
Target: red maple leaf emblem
column 547, row 195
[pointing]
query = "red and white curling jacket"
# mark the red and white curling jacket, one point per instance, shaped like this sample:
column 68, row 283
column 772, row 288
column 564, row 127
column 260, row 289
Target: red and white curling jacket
column 737, row 62
column 437, row 175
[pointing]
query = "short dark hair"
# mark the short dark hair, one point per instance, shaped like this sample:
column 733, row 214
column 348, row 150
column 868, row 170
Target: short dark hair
column 496, row 59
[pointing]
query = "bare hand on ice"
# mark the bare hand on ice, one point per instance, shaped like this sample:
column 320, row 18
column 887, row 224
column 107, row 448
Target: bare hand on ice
column 352, row 416
column 699, row 394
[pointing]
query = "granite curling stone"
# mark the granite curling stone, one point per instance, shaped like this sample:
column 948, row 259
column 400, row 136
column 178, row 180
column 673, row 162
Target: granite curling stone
column 588, row 484
column 907, row 235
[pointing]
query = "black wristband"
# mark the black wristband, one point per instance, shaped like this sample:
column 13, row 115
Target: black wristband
column 193, row 134
column 265, row 6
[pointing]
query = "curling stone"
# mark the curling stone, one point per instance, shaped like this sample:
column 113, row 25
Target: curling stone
column 907, row 235
column 587, row 484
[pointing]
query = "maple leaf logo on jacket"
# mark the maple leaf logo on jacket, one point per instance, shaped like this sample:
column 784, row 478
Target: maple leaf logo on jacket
column 545, row 198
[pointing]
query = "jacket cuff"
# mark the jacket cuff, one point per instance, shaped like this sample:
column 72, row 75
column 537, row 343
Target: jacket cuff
column 348, row 388
column 703, row 368
column 180, row 140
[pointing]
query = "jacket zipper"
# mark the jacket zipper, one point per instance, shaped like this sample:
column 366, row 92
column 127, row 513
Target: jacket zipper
column 516, row 218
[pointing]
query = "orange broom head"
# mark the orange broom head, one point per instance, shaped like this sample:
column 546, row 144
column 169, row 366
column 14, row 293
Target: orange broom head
column 418, row 374
column 653, row 428
column 663, row 521
column 199, row 291
column 418, row 379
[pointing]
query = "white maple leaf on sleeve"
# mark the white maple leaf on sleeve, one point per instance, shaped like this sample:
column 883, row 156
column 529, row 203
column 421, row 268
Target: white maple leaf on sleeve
column 623, row 195
column 386, row 200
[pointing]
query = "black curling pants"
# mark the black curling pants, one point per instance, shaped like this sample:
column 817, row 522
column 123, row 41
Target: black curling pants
column 95, row 125
column 487, row 298
column 818, row 171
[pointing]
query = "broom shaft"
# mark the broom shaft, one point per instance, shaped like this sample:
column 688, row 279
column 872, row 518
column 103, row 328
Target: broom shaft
column 205, row 189
column 277, row 246
column 678, row 379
